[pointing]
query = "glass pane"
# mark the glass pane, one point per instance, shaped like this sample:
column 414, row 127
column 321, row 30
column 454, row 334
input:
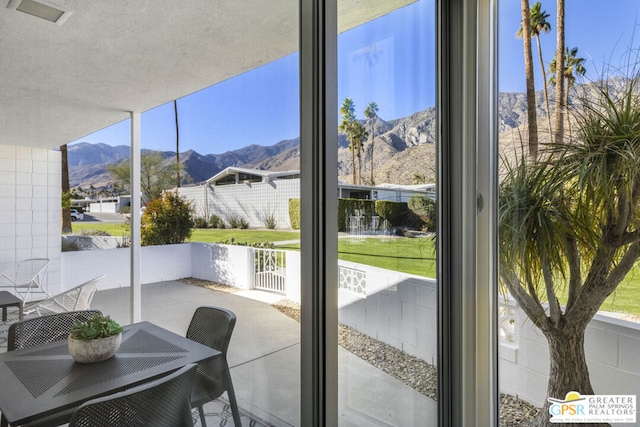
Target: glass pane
column 386, row 218
column 568, row 213
column 238, row 145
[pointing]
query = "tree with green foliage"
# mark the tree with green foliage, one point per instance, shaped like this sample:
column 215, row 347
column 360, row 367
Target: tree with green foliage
column 156, row 174
column 360, row 134
column 537, row 24
column 532, row 121
column 348, row 127
column 166, row 220
column 371, row 113
column 574, row 66
column 570, row 229
column 558, row 136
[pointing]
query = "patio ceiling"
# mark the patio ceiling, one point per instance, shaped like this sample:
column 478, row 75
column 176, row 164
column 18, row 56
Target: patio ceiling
column 59, row 83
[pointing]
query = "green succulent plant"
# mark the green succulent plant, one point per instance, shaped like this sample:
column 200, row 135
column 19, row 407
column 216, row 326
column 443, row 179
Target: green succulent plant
column 98, row 326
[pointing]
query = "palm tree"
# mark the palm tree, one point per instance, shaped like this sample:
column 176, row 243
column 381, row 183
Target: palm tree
column 559, row 131
column 371, row 113
column 531, row 90
column 573, row 67
column 538, row 23
column 66, row 194
column 360, row 134
column 175, row 111
column 347, row 126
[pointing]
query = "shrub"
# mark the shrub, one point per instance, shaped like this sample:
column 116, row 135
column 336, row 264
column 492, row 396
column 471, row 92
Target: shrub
column 93, row 232
column 269, row 220
column 222, row 225
column 214, row 221
column 294, row 213
column 425, row 209
column 349, row 207
column 237, row 221
column 167, row 220
column 394, row 212
column 200, row 222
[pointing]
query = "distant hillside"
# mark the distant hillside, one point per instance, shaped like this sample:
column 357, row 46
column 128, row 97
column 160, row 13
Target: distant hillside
column 404, row 149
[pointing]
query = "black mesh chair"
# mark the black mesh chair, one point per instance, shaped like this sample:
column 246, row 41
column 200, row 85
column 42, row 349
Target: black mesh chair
column 212, row 326
column 41, row 330
column 160, row 403
column 45, row 329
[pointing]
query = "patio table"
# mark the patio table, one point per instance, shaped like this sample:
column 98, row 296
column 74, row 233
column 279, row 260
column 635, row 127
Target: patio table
column 42, row 380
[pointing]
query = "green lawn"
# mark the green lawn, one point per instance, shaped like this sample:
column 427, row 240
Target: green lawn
column 213, row 235
column 209, row 235
column 413, row 256
column 113, row 229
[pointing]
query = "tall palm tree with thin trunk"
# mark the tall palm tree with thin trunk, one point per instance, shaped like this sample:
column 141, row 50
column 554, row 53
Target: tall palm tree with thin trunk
column 347, row 126
column 537, row 24
column 531, row 90
column 371, row 113
column 573, row 67
column 175, row 111
column 560, row 97
column 66, row 193
column 360, row 134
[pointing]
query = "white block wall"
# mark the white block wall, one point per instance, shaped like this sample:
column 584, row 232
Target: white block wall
column 30, row 208
column 399, row 309
column 157, row 263
column 253, row 201
column 612, row 348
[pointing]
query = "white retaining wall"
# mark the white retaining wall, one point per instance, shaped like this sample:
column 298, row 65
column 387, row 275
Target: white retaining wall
column 396, row 308
column 612, row 348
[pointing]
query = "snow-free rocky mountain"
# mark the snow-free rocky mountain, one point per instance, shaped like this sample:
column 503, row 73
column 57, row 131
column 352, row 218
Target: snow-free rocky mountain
column 404, row 150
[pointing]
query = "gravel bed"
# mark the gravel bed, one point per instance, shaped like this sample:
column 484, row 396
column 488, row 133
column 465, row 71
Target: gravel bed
column 414, row 372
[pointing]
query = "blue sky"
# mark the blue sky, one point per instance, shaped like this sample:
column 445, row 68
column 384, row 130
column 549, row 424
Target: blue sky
column 390, row 61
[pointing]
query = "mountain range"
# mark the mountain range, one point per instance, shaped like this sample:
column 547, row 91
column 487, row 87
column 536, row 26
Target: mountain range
column 404, row 151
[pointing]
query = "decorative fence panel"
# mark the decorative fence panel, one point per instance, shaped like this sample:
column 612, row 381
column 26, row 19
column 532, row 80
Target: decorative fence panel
column 353, row 280
column 270, row 273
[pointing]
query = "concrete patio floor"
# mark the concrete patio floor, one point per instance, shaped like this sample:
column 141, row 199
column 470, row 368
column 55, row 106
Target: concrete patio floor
column 264, row 356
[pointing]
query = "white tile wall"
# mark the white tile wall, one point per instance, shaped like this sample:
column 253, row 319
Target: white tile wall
column 30, row 208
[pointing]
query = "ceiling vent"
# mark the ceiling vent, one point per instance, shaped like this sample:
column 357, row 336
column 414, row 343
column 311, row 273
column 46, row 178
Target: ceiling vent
column 40, row 9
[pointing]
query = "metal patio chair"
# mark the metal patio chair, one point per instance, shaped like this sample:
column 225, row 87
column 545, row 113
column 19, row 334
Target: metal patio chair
column 212, row 326
column 26, row 277
column 75, row 299
column 160, row 403
column 41, row 330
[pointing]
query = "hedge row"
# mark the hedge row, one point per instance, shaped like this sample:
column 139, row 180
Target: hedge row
column 418, row 213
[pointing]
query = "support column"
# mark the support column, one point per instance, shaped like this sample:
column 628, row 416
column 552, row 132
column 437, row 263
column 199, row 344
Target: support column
column 135, row 287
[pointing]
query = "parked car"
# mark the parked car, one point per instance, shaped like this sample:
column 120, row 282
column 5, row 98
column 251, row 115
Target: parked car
column 75, row 215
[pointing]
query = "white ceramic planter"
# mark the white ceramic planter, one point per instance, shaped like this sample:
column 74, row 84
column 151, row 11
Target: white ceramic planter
column 95, row 350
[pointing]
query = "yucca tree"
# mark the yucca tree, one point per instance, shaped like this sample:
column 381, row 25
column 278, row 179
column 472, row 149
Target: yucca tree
column 371, row 113
column 532, row 121
column 573, row 67
column 538, row 24
column 348, row 126
column 570, row 230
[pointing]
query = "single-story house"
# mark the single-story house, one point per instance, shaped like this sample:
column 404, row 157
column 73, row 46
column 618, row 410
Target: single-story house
column 256, row 194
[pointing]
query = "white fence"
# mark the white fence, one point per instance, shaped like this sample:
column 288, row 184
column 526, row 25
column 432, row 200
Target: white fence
column 393, row 307
column 270, row 272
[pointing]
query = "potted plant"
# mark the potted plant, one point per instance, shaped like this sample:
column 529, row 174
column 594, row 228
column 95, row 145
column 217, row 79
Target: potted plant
column 95, row 340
